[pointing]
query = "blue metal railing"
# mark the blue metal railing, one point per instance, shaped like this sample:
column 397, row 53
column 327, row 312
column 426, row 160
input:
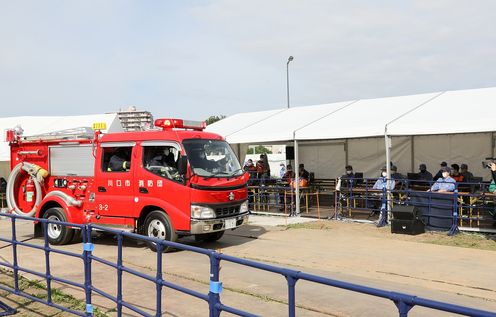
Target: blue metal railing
column 404, row 302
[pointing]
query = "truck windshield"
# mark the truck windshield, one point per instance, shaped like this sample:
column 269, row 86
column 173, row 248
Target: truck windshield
column 212, row 158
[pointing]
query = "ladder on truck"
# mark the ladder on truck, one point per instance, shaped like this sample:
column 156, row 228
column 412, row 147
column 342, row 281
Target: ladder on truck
column 68, row 134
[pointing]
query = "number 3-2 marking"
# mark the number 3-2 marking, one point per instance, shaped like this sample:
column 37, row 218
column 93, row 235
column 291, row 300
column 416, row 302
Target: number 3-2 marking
column 103, row 207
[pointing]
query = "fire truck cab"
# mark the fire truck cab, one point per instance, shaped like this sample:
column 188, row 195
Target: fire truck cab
column 172, row 181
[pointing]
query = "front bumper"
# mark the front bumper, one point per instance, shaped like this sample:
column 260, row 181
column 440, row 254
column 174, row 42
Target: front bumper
column 199, row 226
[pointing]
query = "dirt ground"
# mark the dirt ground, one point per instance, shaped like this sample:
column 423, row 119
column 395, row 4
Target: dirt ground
column 462, row 239
column 433, row 265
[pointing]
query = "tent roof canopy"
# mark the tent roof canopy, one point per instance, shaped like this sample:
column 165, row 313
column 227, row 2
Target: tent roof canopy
column 431, row 113
column 33, row 125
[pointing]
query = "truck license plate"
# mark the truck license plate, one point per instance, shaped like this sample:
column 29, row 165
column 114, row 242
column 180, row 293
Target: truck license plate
column 230, row 223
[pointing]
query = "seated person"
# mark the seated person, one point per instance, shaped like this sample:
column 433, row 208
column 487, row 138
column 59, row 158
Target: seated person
column 289, row 175
column 3, row 185
column 445, row 183
column 120, row 160
column 198, row 159
column 440, row 172
column 400, row 178
column 347, row 180
column 382, row 182
column 282, row 170
column 262, row 169
column 492, row 186
column 303, row 173
column 162, row 157
column 424, row 174
column 252, row 170
column 467, row 176
column 455, row 173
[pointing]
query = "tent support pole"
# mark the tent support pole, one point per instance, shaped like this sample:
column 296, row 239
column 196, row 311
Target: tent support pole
column 387, row 143
column 412, row 151
column 492, row 143
column 346, row 155
column 297, row 172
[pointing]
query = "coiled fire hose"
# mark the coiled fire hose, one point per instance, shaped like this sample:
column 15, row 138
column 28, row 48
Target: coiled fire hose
column 37, row 175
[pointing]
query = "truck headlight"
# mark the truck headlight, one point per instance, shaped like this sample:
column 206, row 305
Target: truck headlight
column 202, row 212
column 244, row 207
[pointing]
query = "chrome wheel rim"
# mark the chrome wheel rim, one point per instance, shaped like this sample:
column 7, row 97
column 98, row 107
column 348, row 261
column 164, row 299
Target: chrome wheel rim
column 156, row 229
column 54, row 230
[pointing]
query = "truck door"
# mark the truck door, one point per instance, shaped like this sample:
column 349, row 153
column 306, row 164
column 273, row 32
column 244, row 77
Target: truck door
column 160, row 180
column 114, row 195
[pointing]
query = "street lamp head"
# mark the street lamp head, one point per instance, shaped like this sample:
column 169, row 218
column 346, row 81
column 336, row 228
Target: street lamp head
column 290, row 59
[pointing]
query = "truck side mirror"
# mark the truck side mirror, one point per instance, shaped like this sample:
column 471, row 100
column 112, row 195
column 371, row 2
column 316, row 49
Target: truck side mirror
column 182, row 165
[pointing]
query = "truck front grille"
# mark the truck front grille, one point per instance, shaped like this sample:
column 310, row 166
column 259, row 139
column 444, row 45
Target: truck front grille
column 226, row 211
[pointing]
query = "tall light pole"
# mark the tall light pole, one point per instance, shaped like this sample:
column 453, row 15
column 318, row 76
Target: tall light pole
column 287, row 76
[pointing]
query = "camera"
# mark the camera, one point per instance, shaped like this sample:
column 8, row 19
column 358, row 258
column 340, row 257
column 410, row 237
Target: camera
column 486, row 164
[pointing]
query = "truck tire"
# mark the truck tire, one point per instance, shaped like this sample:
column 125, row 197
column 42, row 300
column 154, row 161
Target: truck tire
column 209, row 237
column 158, row 225
column 57, row 234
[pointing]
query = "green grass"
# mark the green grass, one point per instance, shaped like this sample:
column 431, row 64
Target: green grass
column 33, row 287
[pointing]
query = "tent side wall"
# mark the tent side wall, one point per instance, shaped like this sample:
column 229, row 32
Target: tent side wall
column 470, row 148
column 5, row 169
column 367, row 155
column 327, row 158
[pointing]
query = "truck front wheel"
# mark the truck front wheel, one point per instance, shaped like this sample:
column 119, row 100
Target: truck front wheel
column 159, row 226
column 57, row 233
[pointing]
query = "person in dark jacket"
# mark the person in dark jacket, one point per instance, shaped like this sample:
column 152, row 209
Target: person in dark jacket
column 120, row 160
column 467, row 176
column 303, row 173
column 347, row 179
column 424, row 174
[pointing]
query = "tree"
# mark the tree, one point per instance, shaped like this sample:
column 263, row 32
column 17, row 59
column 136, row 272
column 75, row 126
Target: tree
column 259, row 149
column 213, row 119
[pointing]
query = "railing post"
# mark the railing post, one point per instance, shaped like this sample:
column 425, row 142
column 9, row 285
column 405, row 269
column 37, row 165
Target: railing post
column 158, row 280
column 215, row 285
column 119, row 274
column 403, row 308
column 48, row 274
column 14, row 256
column 87, row 251
column 291, row 295
column 366, row 194
column 454, row 226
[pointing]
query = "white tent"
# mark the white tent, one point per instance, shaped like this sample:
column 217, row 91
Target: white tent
column 450, row 126
column 38, row 125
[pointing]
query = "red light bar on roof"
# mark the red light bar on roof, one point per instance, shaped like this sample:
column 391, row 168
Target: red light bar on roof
column 180, row 124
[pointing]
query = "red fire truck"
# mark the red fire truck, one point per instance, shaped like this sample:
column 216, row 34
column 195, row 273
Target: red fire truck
column 171, row 181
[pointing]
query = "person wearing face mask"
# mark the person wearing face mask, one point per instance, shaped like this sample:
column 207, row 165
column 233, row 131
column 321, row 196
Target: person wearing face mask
column 381, row 182
column 424, row 174
column 444, row 184
column 440, row 172
column 347, row 180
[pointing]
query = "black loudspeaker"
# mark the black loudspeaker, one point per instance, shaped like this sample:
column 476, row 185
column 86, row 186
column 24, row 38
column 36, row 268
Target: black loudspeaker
column 289, row 152
column 405, row 212
column 406, row 220
column 412, row 227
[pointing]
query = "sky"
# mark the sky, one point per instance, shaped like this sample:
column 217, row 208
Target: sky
column 193, row 59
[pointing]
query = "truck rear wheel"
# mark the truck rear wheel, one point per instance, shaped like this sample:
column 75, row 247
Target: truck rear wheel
column 57, row 234
column 158, row 225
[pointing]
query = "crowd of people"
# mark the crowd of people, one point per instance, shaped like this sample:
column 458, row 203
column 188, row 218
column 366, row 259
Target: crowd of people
column 444, row 180
column 260, row 171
